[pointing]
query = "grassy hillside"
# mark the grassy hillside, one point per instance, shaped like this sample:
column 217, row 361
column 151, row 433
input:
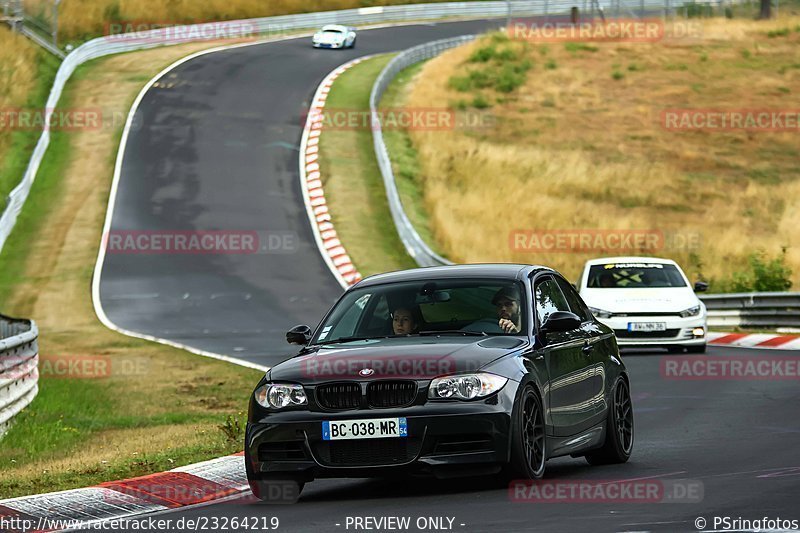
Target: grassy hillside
column 26, row 74
column 80, row 20
column 579, row 142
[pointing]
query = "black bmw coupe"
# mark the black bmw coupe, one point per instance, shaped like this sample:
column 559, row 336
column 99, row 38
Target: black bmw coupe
column 455, row 370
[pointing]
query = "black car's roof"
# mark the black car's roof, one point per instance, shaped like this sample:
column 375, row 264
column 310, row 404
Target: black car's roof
column 510, row 271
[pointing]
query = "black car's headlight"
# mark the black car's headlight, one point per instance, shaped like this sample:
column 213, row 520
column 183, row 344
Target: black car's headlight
column 599, row 313
column 280, row 395
column 466, row 386
column 692, row 311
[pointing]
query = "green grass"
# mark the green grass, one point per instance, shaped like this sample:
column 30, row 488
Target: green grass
column 79, row 432
column 352, row 180
column 43, row 196
column 68, row 414
column 15, row 160
column 45, row 190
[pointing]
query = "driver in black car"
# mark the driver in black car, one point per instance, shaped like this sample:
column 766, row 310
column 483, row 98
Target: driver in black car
column 507, row 302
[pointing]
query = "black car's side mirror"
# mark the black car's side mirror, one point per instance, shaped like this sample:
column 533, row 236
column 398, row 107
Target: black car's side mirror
column 299, row 335
column 700, row 286
column 560, row 321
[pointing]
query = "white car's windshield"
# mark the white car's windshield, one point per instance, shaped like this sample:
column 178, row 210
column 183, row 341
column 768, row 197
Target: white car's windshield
column 332, row 32
column 634, row 276
column 457, row 307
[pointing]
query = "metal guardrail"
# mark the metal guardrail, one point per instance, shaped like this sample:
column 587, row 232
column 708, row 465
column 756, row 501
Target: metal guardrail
column 414, row 244
column 36, row 37
column 19, row 372
column 753, row 309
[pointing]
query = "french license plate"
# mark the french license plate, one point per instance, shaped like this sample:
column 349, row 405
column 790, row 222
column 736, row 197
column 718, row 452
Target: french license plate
column 647, row 326
column 375, row 428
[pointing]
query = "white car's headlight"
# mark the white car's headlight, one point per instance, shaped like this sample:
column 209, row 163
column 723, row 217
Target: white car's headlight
column 279, row 395
column 466, row 386
column 599, row 313
column 692, row 311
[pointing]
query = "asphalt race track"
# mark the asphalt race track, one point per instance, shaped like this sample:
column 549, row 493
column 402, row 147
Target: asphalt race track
column 215, row 148
column 216, row 152
column 739, row 439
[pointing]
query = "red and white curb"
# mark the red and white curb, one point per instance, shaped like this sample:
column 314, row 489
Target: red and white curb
column 200, row 483
column 769, row 341
column 311, row 178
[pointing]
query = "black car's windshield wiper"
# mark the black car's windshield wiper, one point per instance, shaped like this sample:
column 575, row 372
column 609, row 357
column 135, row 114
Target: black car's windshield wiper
column 453, row 332
column 350, row 339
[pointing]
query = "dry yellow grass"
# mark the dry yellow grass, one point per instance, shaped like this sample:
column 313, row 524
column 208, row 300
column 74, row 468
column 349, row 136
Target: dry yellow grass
column 17, row 76
column 78, row 20
column 575, row 148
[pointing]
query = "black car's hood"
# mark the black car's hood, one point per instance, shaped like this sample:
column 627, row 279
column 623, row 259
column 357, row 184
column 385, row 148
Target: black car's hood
column 404, row 357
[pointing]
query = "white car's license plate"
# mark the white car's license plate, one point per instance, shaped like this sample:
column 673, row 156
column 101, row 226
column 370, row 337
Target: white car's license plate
column 374, row 428
column 647, row 326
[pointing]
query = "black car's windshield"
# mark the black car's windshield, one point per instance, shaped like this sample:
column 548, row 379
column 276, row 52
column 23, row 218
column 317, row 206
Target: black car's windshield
column 471, row 307
column 634, row 276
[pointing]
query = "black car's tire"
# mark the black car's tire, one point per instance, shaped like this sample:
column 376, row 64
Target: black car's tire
column 618, row 445
column 277, row 490
column 528, row 438
column 696, row 349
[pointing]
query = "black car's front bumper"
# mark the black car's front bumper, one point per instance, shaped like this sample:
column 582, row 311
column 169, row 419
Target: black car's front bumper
column 444, row 439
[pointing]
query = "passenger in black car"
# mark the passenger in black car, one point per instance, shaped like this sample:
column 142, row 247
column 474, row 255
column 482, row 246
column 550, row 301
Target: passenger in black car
column 404, row 321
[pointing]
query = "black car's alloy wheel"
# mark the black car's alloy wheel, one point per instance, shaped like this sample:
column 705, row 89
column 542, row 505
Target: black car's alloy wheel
column 528, row 448
column 619, row 429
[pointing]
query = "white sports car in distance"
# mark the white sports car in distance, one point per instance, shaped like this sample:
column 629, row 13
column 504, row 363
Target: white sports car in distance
column 647, row 301
column 335, row 36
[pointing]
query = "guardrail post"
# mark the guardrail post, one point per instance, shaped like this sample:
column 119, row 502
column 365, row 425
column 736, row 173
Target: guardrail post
column 19, row 375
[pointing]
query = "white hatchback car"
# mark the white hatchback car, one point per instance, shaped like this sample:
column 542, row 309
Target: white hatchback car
column 335, row 36
column 647, row 301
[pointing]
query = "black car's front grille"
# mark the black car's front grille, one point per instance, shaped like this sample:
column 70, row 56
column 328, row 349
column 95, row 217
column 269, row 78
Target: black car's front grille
column 391, row 393
column 666, row 334
column 454, row 444
column 368, row 452
column 282, row 451
column 339, row 395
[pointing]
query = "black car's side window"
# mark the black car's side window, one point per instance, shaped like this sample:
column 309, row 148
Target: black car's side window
column 549, row 299
column 576, row 305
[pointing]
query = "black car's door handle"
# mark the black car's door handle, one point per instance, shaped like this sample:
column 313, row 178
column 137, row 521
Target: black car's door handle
column 587, row 348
